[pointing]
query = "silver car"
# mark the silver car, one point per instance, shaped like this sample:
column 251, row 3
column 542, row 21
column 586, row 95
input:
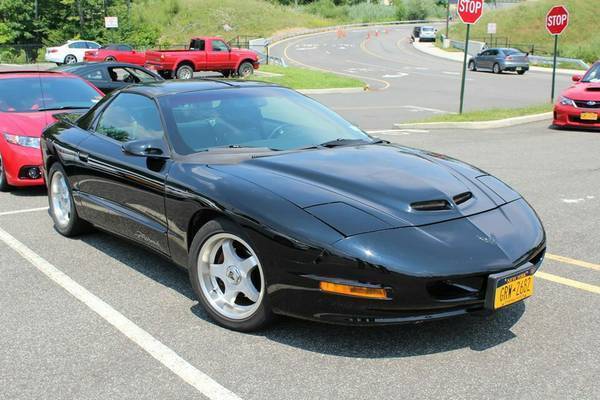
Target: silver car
column 426, row 33
column 500, row 60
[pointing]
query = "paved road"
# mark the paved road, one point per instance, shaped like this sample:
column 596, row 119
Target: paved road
column 55, row 347
column 407, row 84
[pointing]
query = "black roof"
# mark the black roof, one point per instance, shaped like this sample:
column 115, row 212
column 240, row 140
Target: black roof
column 92, row 65
column 157, row 89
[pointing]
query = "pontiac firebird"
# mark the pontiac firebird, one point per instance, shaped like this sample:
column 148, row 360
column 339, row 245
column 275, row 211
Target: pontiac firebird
column 277, row 205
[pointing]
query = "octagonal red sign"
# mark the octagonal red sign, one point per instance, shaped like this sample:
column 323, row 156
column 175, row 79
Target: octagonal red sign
column 470, row 11
column 557, row 20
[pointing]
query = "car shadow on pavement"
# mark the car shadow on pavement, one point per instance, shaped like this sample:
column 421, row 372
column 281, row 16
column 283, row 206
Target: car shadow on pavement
column 476, row 332
column 34, row 191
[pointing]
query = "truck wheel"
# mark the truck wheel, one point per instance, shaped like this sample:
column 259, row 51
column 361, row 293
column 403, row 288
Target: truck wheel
column 184, row 72
column 245, row 69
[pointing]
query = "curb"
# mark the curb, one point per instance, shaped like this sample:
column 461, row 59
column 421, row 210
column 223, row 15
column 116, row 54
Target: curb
column 499, row 123
column 333, row 90
column 559, row 71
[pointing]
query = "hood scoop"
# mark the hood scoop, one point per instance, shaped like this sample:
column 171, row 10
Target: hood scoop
column 462, row 198
column 430, row 205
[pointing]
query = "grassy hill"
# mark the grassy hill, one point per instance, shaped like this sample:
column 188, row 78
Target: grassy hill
column 175, row 21
column 525, row 24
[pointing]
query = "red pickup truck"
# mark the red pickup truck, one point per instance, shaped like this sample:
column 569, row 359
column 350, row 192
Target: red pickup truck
column 204, row 54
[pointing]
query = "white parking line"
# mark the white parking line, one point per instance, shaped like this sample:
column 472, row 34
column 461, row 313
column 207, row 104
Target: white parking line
column 166, row 356
column 27, row 210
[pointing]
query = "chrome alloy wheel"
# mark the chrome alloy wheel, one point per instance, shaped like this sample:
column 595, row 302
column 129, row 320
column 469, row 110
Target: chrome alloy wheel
column 231, row 277
column 61, row 200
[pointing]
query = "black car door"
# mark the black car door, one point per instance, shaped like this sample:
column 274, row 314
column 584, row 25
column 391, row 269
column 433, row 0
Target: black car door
column 121, row 192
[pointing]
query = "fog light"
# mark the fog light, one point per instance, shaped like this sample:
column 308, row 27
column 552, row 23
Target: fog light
column 356, row 291
column 34, row 173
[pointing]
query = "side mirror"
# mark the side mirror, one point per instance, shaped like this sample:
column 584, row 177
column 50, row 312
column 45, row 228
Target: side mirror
column 576, row 78
column 152, row 148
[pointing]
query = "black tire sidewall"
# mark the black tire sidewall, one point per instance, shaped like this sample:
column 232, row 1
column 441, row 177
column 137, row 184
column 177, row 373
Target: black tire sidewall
column 472, row 66
column 496, row 69
column 263, row 314
column 76, row 225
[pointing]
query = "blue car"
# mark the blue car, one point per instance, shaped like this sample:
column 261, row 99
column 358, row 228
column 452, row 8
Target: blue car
column 500, row 60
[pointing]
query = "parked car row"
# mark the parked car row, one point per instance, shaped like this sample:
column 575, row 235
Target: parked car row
column 203, row 54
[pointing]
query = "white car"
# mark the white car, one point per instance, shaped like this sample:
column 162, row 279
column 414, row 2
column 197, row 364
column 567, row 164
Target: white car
column 71, row 52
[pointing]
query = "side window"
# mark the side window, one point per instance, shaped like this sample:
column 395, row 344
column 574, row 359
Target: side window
column 142, row 75
column 493, row 52
column 197, row 44
column 130, row 117
column 92, row 45
column 94, row 75
column 119, row 74
column 124, row 48
column 77, row 45
column 219, row 45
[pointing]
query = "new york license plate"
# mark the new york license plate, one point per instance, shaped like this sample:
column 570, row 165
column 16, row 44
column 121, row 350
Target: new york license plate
column 509, row 287
column 588, row 116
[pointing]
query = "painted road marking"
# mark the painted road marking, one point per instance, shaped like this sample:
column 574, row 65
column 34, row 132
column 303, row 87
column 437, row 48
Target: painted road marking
column 408, row 107
column 450, row 73
column 398, row 75
column 568, row 282
column 572, row 261
column 165, row 355
column 388, row 131
column 27, row 210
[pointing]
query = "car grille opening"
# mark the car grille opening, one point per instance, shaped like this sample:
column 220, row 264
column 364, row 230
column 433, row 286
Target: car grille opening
column 431, row 205
column 462, row 198
column 584, row 104
column 461, row 288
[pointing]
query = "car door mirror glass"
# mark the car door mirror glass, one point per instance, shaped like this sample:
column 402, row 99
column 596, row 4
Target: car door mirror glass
column 576, row 78
column 154, row 148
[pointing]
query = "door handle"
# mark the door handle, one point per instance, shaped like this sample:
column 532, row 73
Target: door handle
column 83, row 157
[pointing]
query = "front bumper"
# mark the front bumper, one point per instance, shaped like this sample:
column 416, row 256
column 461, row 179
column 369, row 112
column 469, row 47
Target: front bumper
column 431, row 272
column 16, row 160
column 568, row 116
column 54, row 58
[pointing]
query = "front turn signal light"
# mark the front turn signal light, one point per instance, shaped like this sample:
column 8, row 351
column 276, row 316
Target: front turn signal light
column 355, row 291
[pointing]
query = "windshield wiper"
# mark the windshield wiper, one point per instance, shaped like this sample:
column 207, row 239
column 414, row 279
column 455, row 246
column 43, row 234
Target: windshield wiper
column 62, row 108
column 342, row 142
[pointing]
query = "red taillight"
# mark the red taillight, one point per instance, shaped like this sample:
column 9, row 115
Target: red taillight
column 53, row 51
column 509, row 58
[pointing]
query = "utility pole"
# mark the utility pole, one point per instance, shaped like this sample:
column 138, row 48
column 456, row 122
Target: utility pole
column 447, row 16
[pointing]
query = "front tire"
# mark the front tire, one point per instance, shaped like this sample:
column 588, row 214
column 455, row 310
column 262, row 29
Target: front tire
column 497, row 69
column 4, row 186
column 62, row 207
column 472, row 66
column 110, row 59
column 245, row 69
column 184, row 72
column 70, row 59
column 227, row 276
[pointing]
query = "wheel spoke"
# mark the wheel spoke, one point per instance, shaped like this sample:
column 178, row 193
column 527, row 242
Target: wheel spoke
column 218, row 271
column 247, row 265
column 248, row 289
column 231, row 257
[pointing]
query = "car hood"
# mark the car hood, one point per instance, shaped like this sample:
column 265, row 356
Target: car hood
column 26, row 124
column 583, row 91
column 379, row 181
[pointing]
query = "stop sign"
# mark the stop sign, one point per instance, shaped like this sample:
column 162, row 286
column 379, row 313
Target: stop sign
column 470, row 11
column 557, row 20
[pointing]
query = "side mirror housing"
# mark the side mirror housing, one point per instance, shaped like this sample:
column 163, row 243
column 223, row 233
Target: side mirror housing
column 152, row 148
column 576, row 78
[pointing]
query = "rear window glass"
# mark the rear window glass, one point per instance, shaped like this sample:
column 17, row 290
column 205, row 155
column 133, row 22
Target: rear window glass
column 427, row 29
column 33, row 94
column 511, row 52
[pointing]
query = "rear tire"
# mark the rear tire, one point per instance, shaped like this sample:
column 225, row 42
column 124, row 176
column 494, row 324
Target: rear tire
column 472, row 66
column 521, row 72
column 110, row 59
column 497, row 69
column 4, row 186
column 184, row 72
column 62, row 207
column 70, row 59
column 221, row 278
column 245, row 69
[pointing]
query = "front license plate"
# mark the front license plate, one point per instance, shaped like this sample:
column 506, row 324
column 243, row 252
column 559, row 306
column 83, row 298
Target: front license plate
column 589, row 116
column 510, row 287
column 519, row 68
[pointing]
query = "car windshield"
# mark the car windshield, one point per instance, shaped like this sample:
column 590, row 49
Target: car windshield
column 261, row 117
column 593, row 75
column 33, row 94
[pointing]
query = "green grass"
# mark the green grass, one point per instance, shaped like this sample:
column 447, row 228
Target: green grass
column 525, row 24
column 490, row 115
column 178, row 20
column 302, row 78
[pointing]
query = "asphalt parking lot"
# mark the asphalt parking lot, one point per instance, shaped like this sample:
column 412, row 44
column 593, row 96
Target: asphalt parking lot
column 96, row 317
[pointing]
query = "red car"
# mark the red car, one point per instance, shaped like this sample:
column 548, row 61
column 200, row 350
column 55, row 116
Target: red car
column 203, row 54
column 28, row 101
column 579, row 105
column 116, row 52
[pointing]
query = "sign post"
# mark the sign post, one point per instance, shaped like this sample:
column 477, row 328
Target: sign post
column 111, row 22
column 491, row 30
column 469, row 12
column 557, row 20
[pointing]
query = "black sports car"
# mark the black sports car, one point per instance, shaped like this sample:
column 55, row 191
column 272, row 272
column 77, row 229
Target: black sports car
column 276, row 205
column 109, row 76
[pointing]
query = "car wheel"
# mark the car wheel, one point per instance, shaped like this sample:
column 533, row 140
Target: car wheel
column 70, row 59
column 62, row 206
column 228, row 278
column 245, row 69
column 110, row 59
column 227, row 73
column 184, row 72
column 472, row 66
column 497, row 69
column 521, row 72
column 4, row 186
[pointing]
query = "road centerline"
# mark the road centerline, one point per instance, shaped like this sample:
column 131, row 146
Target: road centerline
column 164, row 354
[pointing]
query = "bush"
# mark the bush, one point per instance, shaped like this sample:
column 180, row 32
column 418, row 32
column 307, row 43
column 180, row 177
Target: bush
column 415, row 9
column 370, row 12
column 401, row 11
